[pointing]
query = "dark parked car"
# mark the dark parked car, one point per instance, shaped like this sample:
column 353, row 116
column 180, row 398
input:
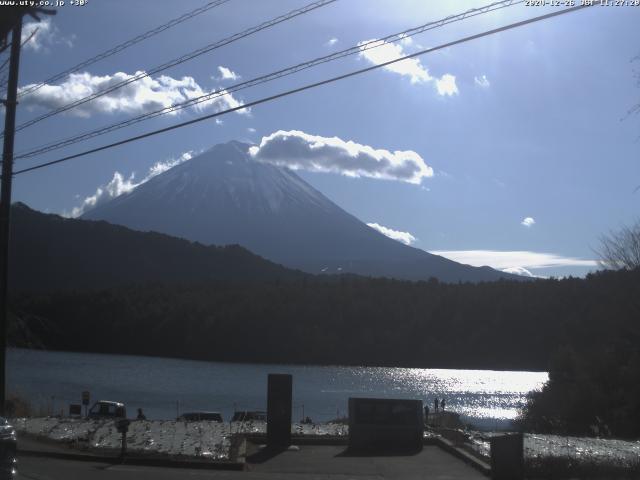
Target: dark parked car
column 246, row 416
column 200, row 416
column 107, row 409
column 8, row 446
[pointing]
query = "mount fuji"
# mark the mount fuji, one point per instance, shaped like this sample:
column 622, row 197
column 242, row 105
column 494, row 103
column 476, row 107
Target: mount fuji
column 224, row 196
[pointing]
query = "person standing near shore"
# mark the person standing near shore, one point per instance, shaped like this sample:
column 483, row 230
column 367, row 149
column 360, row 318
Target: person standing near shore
column 426, row 413
column 435, row 404
column 442, row 405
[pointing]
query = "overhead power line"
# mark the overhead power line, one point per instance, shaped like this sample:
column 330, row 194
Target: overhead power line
column 3, row 67
column 179, row 60
column 306, row 87
column 267, row 78
column 124, row 45
column 3, row 82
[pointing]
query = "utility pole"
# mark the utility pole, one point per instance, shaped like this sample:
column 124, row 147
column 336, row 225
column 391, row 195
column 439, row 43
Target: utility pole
column 12, row 21
column 10, row 105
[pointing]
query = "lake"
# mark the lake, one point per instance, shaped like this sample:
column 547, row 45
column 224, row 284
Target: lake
column 164, row 387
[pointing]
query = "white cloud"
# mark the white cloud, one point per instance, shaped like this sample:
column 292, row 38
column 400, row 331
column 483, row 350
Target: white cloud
column 528, row 222
column 251, row 130
column 45, row 36
column 331, row 42
column 520, row 271
column 227, row 74
column 404, row 237
column 119, row 185
column 446, row 85
column 406, row 40
column 502, row 260
column 482, row 81
column 161, row 167
column 379, row 52
column 141, row 96
column 301, row 151
column 40, row 33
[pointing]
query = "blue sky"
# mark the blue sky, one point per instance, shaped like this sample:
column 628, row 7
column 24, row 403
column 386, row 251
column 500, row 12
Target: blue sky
column 526, row 150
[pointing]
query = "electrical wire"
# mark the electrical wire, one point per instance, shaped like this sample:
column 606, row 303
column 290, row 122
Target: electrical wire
column 40, row 150
column 4, row 65
column 307, row 87
column 179, row 60
column 4, row 81
column 124, row 45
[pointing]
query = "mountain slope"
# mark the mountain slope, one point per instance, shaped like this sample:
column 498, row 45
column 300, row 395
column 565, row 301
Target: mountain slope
column 223, row 196
column 49, row 252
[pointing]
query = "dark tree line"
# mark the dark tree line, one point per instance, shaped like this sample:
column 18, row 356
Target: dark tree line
column 585, row 331
column 350, row 320
column 590, row 392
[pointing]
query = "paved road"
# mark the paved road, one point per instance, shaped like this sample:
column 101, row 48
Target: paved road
column 310, row 463
column 32, row 468
column 432, row 463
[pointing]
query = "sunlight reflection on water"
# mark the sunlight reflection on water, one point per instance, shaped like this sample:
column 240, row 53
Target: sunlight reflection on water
column 475, row 394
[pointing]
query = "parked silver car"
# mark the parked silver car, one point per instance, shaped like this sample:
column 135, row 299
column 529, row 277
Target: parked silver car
column 108, row 409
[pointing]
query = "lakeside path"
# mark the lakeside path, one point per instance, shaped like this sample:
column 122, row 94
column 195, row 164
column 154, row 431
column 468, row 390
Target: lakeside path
column 307, row 463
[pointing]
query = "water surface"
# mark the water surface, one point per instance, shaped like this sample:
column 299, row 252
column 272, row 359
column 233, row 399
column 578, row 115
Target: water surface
column 164, row 387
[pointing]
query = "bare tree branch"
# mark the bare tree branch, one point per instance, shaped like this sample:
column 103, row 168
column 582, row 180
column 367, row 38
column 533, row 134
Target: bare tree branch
column 621, row 249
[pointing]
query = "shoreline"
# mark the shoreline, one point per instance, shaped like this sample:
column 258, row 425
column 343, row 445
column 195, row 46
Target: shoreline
column 266, row 364
column 213, row 441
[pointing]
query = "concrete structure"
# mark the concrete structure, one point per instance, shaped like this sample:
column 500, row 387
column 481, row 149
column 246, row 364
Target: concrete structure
column 507, row 457
column 38, row 459
column 384, row 424
column 279, row 402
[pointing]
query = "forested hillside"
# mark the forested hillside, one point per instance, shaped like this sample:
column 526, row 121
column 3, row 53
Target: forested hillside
column 348, row 320
column 49, row 252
